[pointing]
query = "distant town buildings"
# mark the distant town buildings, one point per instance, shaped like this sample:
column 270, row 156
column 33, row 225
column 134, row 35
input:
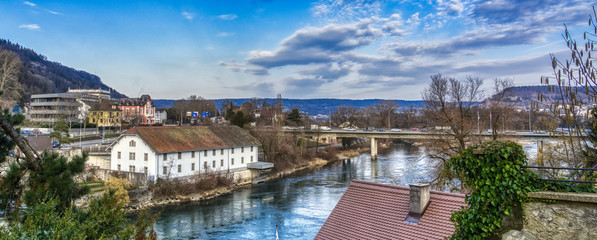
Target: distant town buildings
column 105, row 114
column 175, row 152
column 71, row 106
column 139, row 111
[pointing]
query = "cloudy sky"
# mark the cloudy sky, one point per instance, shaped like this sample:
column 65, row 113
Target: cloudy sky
column 301, row 49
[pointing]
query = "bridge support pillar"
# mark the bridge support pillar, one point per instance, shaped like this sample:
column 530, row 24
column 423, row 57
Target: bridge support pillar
column 373, row 149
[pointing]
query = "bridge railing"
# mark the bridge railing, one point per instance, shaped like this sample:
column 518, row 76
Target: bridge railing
column 570, row 171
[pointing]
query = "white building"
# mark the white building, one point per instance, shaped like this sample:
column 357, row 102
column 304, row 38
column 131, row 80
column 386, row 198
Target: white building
column 173, row 151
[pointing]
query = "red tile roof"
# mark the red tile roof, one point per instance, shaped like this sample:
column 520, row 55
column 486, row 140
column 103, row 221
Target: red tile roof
column 377, row 211
column 192, row 138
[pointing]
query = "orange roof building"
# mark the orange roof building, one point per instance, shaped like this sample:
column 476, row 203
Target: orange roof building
column 380, row 211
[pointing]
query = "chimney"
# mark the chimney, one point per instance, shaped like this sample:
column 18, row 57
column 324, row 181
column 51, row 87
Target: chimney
column 419, row 200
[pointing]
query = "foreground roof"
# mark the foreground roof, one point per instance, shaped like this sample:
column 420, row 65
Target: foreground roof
column 193, row 138
column 377, row 211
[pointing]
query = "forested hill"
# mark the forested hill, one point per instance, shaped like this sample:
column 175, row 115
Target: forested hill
column 38, row 75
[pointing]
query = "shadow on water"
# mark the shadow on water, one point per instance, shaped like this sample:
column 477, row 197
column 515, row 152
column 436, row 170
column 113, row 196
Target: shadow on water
column 298, row 204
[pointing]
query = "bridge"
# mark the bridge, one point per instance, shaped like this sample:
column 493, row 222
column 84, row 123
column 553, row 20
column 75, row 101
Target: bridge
column 374, row 135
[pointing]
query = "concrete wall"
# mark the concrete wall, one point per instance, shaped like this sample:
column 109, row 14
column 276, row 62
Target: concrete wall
column 137, row 179
column 556, row 215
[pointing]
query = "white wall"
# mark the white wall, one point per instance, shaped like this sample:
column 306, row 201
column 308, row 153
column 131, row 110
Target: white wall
column 231, row 161
column 140, row 149
column 156, row 163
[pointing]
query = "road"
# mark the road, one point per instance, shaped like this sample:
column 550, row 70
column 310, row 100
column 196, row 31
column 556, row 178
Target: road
column 94, row 142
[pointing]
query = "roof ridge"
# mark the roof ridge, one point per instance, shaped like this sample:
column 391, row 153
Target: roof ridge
column 379, row 184
column 434, row 192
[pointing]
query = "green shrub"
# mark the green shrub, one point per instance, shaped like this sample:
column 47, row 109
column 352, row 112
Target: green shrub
column 494, row 173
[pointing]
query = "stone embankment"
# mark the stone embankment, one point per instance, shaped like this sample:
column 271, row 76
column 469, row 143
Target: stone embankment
column 143, row 199
column 558, row 215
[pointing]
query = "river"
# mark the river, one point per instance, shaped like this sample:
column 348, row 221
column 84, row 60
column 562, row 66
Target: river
column 298, row 205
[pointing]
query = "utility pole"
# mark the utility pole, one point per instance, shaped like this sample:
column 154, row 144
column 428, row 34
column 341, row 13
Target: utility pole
column 531, row 108
column 389, row 118
column 478, row 124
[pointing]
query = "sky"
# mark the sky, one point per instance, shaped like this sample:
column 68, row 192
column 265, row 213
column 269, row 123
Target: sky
column 301, row 49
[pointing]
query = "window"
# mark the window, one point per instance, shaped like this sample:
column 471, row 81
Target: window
column 232, row 161
column 214, row 152
column 192, row 154
column 205, row 153
column 232, row 150
column 118, row 167
column 118, row 155
column 145, row 156
column 251, row 148
column 165, row 156
column 222, row 151
column 132, row 143
column 242, row 149
column 204, row 165
column 221, row 162
column 165, row 171
column 179, row 168
column 179, row 155
column 213, row 164
column 145, row 170
column 131, row 168
column 251, row 158
column 192, row 166
column 242, row 160
column 131, row 156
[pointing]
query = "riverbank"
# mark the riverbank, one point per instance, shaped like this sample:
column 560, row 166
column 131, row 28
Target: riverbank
column 141, row 199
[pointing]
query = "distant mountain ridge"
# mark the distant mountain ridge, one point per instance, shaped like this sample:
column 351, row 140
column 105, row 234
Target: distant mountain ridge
column 520, row 96
column 39, row 75
column 315, row 106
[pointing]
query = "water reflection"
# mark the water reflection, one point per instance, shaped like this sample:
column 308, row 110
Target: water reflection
column 297, row 205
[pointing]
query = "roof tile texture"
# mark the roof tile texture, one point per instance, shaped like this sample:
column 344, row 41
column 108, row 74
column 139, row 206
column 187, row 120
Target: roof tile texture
column 192, row 138
column 377, row 211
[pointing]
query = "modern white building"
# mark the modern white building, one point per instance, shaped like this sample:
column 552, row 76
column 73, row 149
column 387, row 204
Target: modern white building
column 183, row 151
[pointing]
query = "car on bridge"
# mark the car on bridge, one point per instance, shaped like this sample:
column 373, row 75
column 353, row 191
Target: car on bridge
column 395, row 130
column 348, row 129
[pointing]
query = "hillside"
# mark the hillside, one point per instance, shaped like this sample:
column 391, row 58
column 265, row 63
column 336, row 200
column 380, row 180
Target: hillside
column 39, row 75
column 522, row 96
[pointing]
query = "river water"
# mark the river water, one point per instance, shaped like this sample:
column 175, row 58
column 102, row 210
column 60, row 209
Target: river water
column 297, row 205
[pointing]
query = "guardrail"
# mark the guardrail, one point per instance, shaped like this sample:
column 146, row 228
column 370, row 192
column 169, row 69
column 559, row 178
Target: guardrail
column 564, row 168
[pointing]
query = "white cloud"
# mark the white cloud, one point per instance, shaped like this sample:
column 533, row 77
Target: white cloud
column 30, row 3
column 317, row 45
column 189, row 16
column 228, row 17
column 55, row 13
column 347, row 11
column 225, row 34
column 29, row 26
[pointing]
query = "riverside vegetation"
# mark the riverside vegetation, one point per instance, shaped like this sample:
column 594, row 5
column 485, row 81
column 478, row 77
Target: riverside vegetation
column 45, row 184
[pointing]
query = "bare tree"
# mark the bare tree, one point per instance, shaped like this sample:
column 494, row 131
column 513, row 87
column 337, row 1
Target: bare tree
column 570, row 93
column 449, row 102
column 10, row 68
column 382, row 113
column 498, row 106
column 346, row 116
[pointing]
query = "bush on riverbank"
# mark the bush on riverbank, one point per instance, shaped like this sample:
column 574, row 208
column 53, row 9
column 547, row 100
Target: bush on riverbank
column 205, row 181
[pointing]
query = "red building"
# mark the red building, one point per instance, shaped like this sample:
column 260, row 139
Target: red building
column 138, row 111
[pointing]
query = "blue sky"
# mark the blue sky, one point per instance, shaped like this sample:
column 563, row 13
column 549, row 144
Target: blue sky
column 301, row 49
